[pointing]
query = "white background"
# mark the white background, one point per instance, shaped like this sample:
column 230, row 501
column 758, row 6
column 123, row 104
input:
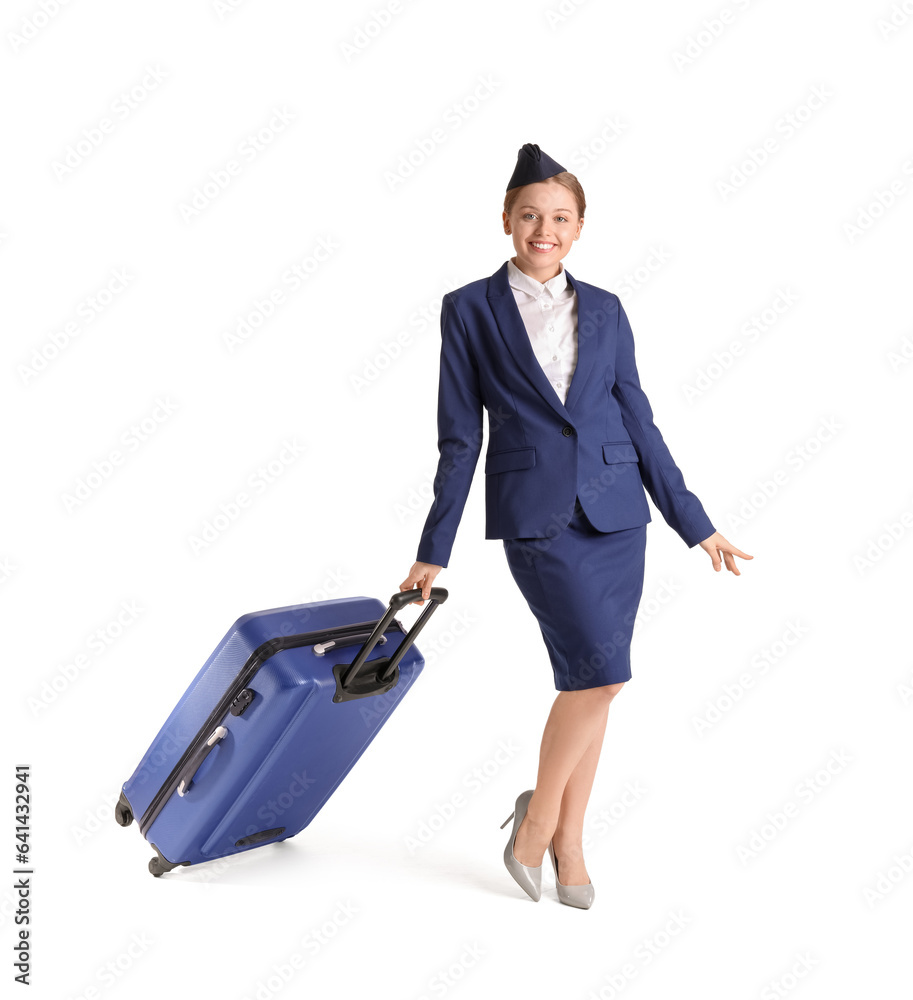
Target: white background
column 798, row 446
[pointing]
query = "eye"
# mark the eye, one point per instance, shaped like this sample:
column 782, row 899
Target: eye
column 562, row 218
column 527, row 215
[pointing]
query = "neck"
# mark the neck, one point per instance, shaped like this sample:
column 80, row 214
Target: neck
column 541, row 276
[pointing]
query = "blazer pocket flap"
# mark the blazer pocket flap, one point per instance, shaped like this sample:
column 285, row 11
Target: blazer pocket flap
column 613, row 453
column 509, row 460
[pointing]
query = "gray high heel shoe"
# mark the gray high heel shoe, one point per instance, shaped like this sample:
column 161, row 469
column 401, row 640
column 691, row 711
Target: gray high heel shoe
column 573, row 895
column 529, row 879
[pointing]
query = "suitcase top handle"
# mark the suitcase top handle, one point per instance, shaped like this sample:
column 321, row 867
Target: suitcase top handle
column 403, row 597
column 348, row 675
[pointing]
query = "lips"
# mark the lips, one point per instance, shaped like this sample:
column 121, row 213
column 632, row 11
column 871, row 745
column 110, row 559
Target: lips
column 542, row 247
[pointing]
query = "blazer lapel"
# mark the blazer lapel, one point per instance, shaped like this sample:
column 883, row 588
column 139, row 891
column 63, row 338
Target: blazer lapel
column 586, row 347
column 510, row 323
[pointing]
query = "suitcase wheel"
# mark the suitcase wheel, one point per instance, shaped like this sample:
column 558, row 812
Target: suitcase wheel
column 160, row 864
column 122, row 811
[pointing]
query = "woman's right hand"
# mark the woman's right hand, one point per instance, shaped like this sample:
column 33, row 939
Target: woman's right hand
column 423, row 574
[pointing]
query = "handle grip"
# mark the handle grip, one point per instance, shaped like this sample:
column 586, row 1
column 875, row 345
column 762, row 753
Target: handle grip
column 403, row 597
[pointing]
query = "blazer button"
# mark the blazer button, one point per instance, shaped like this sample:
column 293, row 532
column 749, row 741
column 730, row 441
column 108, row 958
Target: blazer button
column 567, row 430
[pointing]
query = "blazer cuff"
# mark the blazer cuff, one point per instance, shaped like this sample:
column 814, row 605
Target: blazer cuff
column 427, row 555
column 701, row 529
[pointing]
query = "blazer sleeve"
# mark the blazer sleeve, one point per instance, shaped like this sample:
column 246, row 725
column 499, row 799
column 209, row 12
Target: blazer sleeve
column 459, row 421
column 661, row 476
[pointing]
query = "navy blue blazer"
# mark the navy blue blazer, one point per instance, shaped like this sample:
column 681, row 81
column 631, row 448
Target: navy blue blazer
column 601, row 445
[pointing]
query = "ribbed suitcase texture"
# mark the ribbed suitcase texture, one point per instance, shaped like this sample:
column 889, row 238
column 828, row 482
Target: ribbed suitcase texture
column 270, row 725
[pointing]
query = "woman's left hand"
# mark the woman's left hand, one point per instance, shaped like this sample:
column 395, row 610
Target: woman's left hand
column 716, row 544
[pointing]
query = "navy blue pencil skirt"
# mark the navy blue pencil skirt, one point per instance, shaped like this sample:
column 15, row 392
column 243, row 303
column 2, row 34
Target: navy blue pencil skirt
column 584, row 587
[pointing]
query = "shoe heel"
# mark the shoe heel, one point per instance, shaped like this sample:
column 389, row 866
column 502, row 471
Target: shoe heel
column 526, row 876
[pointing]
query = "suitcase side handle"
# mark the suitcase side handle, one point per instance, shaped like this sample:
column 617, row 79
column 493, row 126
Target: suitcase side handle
column 321, row 647
column 349, row 675
column 193, row 765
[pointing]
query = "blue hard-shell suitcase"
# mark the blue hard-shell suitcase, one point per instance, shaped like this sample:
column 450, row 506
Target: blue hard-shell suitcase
column 269, row 727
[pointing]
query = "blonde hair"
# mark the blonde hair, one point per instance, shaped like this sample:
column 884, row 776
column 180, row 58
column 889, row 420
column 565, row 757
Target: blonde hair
column 565, row 179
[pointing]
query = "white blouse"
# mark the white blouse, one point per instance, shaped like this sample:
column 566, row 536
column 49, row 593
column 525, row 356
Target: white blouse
column 549, row 313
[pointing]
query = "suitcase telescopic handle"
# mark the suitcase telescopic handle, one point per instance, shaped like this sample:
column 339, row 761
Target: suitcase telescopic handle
column 398, row 601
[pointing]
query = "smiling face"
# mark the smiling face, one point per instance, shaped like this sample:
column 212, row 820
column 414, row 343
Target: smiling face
column 543, row 223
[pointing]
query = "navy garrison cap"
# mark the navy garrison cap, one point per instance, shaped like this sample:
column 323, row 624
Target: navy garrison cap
column 533, row 165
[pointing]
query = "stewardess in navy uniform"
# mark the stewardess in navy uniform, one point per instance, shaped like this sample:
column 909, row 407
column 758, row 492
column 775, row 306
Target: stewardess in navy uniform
column 571, row 448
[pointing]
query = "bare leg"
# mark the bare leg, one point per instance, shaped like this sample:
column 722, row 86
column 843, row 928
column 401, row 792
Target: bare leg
column 568, row 836
column 569, row 753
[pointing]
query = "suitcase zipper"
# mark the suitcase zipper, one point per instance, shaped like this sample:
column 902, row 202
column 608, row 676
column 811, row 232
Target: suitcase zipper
column 256, row 660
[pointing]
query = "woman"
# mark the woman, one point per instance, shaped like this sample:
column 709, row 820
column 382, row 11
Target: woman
column 572, row 445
